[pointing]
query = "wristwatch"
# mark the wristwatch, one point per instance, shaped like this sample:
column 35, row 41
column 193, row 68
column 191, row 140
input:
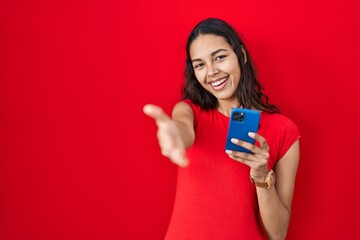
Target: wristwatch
column 269, row 180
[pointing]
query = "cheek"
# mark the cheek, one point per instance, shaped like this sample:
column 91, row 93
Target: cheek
column 200, row 76
column 232, row 66
column 236, row 71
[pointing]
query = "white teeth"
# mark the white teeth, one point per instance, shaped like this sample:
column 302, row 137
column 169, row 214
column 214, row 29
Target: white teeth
column 217, row 83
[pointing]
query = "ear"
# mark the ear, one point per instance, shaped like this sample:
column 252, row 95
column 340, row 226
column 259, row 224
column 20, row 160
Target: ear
column 245, row 56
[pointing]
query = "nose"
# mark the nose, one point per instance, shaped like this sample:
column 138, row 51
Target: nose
column 213, row 70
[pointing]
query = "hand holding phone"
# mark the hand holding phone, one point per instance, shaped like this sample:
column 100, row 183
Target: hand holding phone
column 242, row 121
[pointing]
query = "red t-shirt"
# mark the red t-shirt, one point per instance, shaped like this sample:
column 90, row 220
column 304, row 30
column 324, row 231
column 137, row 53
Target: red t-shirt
column 214, row 196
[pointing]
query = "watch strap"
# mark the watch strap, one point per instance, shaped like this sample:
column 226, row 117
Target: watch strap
column 266, row 184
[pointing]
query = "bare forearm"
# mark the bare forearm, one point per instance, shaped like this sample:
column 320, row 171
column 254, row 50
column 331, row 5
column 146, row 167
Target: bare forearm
column 183, row 117
column 187, row 135
column 275, row 216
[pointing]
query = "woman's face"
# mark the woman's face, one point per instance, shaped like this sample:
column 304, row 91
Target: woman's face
column 216, row 66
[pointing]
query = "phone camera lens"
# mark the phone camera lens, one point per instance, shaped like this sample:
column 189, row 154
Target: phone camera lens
column 238, row 116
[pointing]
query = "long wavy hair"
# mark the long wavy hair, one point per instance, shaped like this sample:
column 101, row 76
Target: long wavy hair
column 249, row 90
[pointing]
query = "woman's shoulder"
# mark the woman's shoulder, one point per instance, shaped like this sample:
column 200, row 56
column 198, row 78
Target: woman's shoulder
column 186, row 102
column 278, row 121
column 275, row 118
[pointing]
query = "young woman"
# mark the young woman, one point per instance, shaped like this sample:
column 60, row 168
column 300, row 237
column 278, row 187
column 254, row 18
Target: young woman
column 223, row 194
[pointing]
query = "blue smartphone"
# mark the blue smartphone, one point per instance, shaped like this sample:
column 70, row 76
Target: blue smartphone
column 242, row 121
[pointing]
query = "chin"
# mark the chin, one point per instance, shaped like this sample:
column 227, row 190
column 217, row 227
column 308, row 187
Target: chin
column 226, row 96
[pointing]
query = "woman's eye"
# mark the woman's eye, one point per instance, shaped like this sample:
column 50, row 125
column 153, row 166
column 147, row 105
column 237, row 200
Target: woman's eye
column 198, row 65
column 218, row 58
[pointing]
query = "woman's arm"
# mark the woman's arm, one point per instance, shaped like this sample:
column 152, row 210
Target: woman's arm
column 174, row 135
column 183, row 117
column 275, row 202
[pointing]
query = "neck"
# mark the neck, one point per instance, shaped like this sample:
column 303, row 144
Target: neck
column 226, row 106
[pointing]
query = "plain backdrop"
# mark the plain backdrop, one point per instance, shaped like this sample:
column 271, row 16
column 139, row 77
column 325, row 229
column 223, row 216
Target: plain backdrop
column 79, row 159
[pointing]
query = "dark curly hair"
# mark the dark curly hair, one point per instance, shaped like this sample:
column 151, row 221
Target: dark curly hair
column 249, row 90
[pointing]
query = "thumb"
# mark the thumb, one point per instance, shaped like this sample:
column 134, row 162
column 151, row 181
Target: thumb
column 156, row 113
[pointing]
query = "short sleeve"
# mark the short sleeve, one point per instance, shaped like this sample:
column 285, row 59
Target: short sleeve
column 290, row 134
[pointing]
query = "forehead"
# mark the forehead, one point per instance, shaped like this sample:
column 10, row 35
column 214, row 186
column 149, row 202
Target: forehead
column 205, row 44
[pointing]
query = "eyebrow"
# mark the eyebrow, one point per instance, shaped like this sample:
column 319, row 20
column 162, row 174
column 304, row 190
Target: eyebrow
column 212, row 54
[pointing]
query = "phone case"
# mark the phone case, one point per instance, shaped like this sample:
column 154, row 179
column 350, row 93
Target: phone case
column 242, row 121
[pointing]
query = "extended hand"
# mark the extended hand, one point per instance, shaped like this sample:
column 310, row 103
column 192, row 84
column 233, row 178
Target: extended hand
column 168, row 135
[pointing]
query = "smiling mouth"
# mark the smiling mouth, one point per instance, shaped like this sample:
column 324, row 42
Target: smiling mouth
column 219, row 82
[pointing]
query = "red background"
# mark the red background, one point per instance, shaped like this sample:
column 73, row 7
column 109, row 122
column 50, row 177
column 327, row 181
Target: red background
column 79, row 159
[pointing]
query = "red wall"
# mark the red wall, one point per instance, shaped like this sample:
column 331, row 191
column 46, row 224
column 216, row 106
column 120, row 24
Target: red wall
column 79, row 160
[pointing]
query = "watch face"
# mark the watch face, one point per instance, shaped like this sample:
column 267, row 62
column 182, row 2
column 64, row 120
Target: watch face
column 272, row 179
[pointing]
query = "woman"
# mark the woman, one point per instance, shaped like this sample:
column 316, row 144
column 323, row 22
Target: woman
column 215, row 199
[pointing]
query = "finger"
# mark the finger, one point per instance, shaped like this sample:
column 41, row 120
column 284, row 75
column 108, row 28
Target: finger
column 246, row 145
column 242, row 155
column 156, row 113
column 250, row 163
column 263, row 152
column 260, row 139
column 179, row 157
column 242, row 160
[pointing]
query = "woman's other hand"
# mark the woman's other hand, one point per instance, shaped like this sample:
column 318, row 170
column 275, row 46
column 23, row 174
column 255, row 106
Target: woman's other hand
column 257, row 161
